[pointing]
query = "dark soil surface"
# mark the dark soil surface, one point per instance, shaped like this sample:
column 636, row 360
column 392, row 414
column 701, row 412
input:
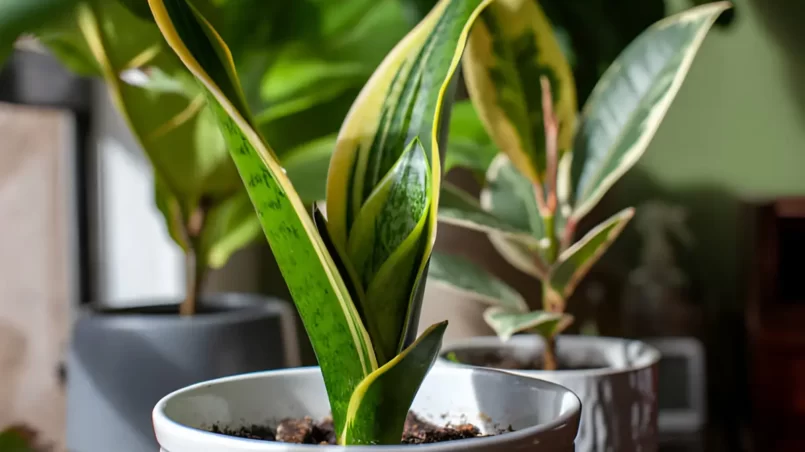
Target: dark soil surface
column 500, row 359
column 307, row 431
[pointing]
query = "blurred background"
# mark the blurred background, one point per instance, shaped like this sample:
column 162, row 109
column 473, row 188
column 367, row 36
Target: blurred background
column 715, row 253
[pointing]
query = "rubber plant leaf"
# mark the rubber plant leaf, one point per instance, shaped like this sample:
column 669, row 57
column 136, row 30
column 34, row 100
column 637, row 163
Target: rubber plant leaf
column 575, row 262
column 510, row 49
column 630, row 101
column 408, row 97
column 459, row 208
column 230, row 226
column 473, row 282
column 393, row 386
column 342, row 345
column 506, row 323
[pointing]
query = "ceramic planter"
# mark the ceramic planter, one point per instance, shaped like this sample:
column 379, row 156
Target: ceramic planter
column 619, row 400
column 121, row 362
column 544, row 415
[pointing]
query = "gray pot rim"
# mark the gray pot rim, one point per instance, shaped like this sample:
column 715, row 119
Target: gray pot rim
column 649, row 355
column 159, row 416
column 231, row 307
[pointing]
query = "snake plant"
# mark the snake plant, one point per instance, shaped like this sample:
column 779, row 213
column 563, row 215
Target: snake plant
column 357, row 275
column 553, row 165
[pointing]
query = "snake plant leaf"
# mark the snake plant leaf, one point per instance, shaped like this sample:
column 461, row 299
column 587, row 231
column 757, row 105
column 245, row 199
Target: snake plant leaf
column 386, row 243
column 575, row 262
column 510, row 49
column 341, row 343
column 630, row 101
column 393, row 386
column 408, row 97
column 507, row 323
column 470, row 146
column 459, row 208
column 461, row 275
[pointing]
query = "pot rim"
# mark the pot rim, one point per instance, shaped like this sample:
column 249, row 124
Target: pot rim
column 232, row 307
column 160, row 418
column 648, row 359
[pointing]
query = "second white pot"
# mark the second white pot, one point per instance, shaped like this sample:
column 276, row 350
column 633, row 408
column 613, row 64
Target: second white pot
column 619, row 399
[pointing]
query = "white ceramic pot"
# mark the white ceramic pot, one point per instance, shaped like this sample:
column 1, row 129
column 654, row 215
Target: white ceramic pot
column 619, row 401
column 544, row 416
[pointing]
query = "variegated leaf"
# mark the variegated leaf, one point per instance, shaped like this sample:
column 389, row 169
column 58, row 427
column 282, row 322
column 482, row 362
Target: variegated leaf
column 459, row 208
column 546, row 324
column 510, row 196
column 575, row 262
column 631, row 99
column 342, row 345
column 408, row 97
column 394, row 387
column 473, row 282
column 512, row 46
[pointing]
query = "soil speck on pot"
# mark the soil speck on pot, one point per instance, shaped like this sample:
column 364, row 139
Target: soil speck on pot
column 307, row 431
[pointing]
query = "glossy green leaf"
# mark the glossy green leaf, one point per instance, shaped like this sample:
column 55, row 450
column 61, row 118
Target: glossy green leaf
column 393, row 387
column 459, row 208
column 22, row 16
column 408, row 97
column 630, row 101
column 521, row 256
column 510, row 196
column 341, row 343
column 385, row 245
column 575, row 262
column 230, row 225
column 510, row 49
column 470, row 146
column 473, row 282
column 306, row 166
column 546, row 324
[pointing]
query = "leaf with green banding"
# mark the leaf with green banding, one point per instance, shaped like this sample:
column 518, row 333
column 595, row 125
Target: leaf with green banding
column 474, row 282
column 575, row 262
column 306, row 166
column 631, row 99
column 510, row 196
column 394, row 387
column 470, row 146
column 546, row 324
column 385, row 243
column 459, row 208
column 510, row 49
column 408, row 96
column 342, row 346
column 405, row 98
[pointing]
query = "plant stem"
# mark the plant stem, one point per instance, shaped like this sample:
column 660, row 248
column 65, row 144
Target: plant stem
column 195, row 267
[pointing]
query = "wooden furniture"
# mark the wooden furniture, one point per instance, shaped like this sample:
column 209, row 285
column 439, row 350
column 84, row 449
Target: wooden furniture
column 776, row 325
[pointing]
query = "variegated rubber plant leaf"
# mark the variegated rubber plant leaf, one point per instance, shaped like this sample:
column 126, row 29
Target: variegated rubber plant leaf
column 392, row 134
column 477, row 284
column 510, row 49
column 625, row 109
column 546, row 324
column 384, row 170
column 575, row 262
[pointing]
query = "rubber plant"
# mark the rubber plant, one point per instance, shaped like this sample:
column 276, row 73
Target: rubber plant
column 356, row 277
column 554, row 167
column 299, row 48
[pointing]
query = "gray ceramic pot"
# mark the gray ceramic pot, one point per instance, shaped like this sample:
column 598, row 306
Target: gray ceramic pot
column 619, row 397
column 121, row 362
column 544, row 415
